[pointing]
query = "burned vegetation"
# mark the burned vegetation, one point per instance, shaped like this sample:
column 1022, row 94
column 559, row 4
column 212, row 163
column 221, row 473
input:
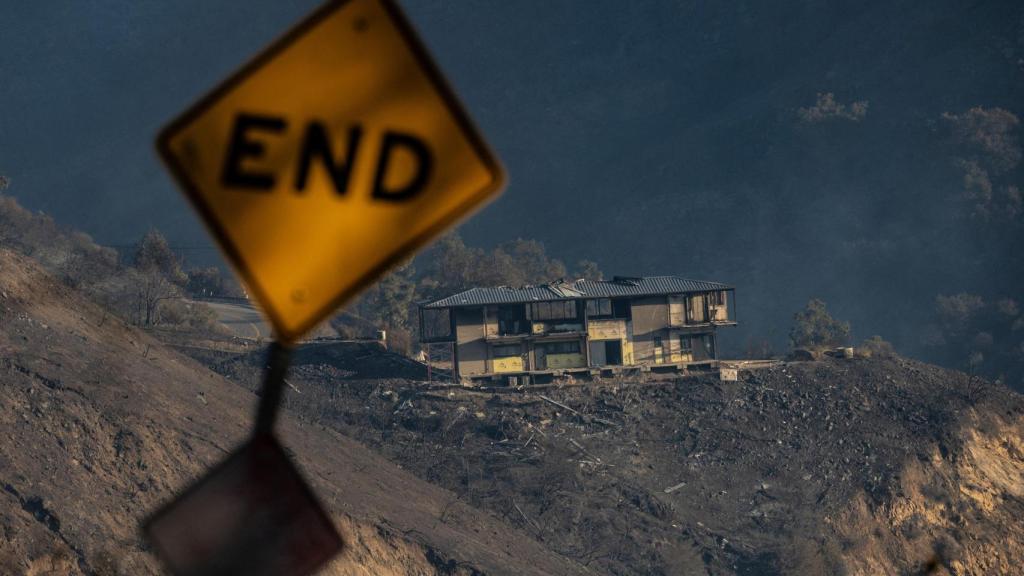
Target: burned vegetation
column 779, row 472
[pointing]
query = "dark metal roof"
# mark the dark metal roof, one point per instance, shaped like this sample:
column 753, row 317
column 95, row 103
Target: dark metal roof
column 615, row 288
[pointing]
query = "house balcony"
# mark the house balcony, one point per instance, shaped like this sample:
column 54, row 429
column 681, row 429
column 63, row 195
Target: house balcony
column 538, row 331
column 700, row 326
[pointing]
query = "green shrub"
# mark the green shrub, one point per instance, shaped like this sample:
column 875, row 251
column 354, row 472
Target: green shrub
column 813, row 327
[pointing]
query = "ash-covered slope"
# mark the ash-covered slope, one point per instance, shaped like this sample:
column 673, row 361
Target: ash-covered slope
column 100, row 424
column 857, row 466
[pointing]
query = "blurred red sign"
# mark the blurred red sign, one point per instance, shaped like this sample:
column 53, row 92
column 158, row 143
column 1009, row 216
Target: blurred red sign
column 252, row 515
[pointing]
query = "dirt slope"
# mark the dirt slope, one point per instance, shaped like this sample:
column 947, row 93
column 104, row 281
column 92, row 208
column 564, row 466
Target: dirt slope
column 859, row 466
column 101, row 423
column 881, row 466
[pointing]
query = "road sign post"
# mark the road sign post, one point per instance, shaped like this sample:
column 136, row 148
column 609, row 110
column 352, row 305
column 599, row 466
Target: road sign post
column 253, row 514
column 278, row 357
column 330, row 157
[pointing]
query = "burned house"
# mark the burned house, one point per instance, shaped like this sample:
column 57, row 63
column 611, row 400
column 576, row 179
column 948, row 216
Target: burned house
column 655, row 323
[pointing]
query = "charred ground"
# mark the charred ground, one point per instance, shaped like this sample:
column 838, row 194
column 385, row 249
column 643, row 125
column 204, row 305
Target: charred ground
column 102, row 423
column 842, row 465
column 862, row 466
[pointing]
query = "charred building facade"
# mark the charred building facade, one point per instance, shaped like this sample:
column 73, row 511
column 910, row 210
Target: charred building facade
column 655, row 323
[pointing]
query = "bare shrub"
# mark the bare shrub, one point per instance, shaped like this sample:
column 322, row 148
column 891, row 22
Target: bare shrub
column 154, row 254
column 990, row 132
column 185, row 314
column 136, row 296
column 589, row 270
column 988, row 151
column 206, row 282
column 957, row 310
column 981, row 336
column 877, row 347
column 400, row 340
column 827, row 108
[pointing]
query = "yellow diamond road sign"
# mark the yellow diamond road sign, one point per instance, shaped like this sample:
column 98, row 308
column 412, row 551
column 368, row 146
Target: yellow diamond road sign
column 330, row 157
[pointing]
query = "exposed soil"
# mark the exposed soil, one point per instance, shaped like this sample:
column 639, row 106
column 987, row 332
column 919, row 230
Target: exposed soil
column 860, row 466
column 101, row 423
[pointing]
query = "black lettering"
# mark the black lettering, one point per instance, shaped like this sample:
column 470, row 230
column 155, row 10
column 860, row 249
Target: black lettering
column 315, row 144
column 241, row 147
column 417, row 183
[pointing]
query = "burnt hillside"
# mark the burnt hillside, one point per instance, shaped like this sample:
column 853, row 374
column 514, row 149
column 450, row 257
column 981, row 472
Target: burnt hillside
column 862, row 466
column 859, row 466
column 101, row 423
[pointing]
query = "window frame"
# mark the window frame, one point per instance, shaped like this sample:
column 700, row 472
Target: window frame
column 551, row 310
column 685, row 344
column 600, row 308
column 496, row 351
column 563, row 347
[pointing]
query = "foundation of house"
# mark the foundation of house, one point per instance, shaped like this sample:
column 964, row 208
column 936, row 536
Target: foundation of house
column 587, row 373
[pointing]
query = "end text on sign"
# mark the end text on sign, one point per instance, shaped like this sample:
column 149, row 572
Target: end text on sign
column 247, row 144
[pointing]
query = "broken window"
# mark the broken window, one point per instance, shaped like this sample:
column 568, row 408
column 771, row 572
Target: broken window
column 686, row 345
column 561, row 310
column 621, row 309
column 570, row 347
column 599, row 307
column 696, row 309
column 512, row 320
column 436, row 324
column 506, row 351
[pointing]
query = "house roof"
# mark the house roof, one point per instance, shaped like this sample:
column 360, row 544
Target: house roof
column 615, row 288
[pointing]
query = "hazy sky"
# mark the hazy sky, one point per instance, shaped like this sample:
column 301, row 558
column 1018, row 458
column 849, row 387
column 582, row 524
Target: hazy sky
column 577, row 97
column 88, row 84
column 652, row 137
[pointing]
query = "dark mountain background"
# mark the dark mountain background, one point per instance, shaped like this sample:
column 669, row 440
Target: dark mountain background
column 796, row 149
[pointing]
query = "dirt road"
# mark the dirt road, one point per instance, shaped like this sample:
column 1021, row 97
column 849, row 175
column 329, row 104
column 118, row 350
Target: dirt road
column 242, row 318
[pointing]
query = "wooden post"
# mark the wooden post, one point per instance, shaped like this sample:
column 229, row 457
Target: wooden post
column 586, row 330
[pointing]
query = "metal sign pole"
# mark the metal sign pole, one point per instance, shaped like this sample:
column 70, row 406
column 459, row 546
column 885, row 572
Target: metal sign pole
column 278, row 359
column 269, row 522
column 253, row 514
